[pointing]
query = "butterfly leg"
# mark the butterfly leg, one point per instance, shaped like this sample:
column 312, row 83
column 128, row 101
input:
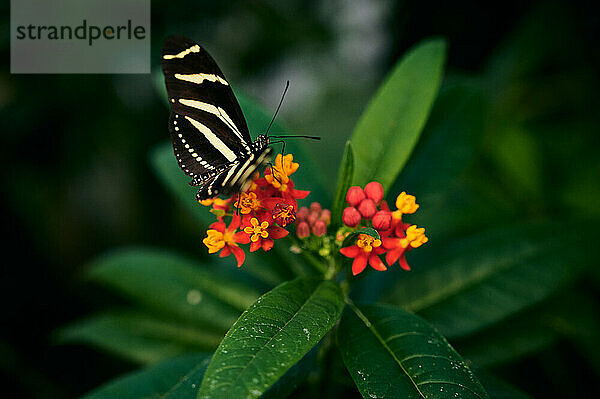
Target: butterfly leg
column 239, row 197
column 279, row 142
column 282, row 154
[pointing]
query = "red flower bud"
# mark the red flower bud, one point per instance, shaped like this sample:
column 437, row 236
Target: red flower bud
column 319, row 228
column 315, row 207
column 367, row 208
column 351, row 217
column 374, row 190
column 302, row 230
column 302, row 214
column 355, row 195
column 312, row 218
column 382, row 220
column 325, row 216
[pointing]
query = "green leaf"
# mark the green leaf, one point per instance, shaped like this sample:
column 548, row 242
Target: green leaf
column 345, row 175
column 138, row 337
column 480, row 280
column 390, row 352
column 176, row 378
column 293, row 377
column 509, row 341
column 165, row 166
column 572, row 316
column 446, row 147
column 390, row 127
column 272, row 336
column 174, row 286
column 350, row 238
column 499, row 389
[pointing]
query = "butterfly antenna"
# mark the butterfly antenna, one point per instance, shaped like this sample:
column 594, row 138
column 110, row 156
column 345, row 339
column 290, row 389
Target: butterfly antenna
column 279, row 106
column 297, row 136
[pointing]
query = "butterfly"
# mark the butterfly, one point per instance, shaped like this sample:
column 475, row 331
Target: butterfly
column 210, row 136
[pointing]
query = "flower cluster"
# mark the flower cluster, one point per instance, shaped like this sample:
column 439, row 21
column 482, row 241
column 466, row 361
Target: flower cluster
column 259, row 215
column 368, row 209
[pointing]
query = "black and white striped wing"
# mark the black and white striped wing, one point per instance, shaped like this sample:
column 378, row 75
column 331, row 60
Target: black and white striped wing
column 207, row 126
column 237, row 178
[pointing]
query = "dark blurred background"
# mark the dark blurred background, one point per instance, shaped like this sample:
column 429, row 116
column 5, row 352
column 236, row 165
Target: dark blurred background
column 76, row 179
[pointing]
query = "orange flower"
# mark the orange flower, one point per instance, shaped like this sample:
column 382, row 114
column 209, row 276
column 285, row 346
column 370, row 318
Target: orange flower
column 247, row 203
column 398, row 247
column 284, row 167
column 262, row 233
column 406, row 204
column 217, row 203
column 284, row 214
column 225, row 239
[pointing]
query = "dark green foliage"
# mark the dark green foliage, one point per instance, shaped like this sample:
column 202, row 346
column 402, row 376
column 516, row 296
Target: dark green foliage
column 502, row 158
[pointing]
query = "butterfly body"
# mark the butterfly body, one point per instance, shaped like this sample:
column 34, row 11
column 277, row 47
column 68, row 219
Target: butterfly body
column 209, row 133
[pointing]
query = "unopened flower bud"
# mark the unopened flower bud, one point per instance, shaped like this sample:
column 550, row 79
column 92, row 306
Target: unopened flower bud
column 319, row 228
column 351, row 217
column 302, row 230
column 374, row 190
column 312, row 218
column 367, row 208
column 355, row 195
column 325, row 216
column 302, row 214
column 382, row 220
column 315, row 207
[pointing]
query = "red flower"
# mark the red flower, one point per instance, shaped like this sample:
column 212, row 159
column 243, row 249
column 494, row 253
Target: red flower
column 284, row 214
column 225, row 239
column 397, row 247
column 262, row 233
column 285, row 191
column 365, row 250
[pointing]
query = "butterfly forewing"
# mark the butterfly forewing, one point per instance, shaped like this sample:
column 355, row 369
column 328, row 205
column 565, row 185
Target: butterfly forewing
column 209, row 133
column 204, row 109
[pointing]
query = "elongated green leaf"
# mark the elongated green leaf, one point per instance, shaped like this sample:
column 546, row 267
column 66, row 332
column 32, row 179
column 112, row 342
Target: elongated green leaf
column 138, row 337
column 392, row 353
column 499, row 389
column 511, row 340
column 569, row 315
column 174, row 285
column 483, row 279
column 165, row 166
column 272, row 336
column 345, row 175
column 293, row 377
column 176, row 378
column 390, row 127
column 447, row 145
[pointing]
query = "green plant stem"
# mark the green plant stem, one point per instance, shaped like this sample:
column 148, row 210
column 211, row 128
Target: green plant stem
column 313, row 261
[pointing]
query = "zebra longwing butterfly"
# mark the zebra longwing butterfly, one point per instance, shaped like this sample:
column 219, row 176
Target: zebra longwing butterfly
column 208, row 129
